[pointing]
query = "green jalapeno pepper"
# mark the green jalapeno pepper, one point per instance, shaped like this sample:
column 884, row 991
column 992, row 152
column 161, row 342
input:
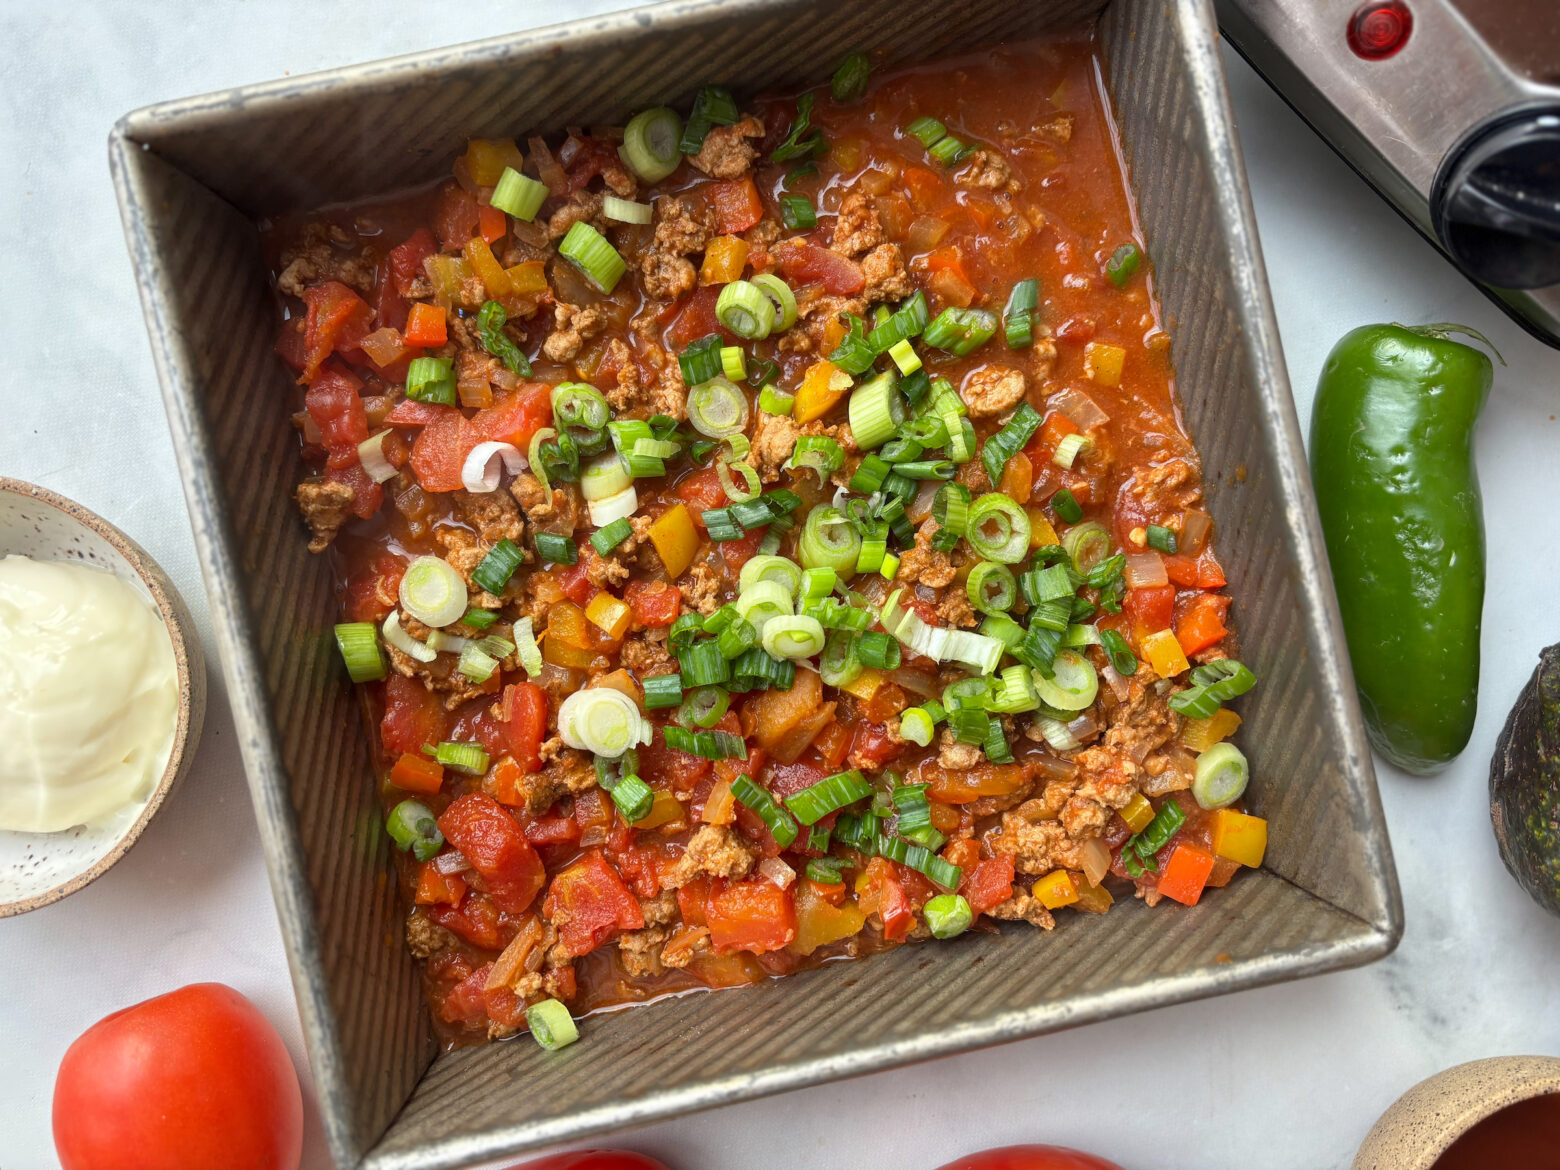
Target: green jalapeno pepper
column 1392, row 457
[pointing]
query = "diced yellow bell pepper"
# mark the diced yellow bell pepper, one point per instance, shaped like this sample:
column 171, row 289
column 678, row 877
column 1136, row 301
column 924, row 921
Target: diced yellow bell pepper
column 558, row 652
column 447, row 274
column 1092, row 899
column 486, row 159
column 1056, row 889
column 665, row 810
column 865, row 684
column 568, row 640
column 529, row 277
column 819, row 922
column 1137, row 812
column 675, row 539
column 1041, row 533
column 1164, row 654
column 724, row 259
column 483, row 263
column 609, row 614
column 823, row 386
column 1102, row 362
column 1239, row 837
column 845, row 153
column 1201, row 734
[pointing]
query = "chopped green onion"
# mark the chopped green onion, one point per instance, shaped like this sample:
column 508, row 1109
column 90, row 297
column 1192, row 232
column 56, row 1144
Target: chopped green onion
column 991, row 588
column 700, row 361
column 686, row 629
column 479, row 619
column 878, row 650
column 947, row 915
column 820, row 453
column 998, row 529
column 433, row 592
column 606, row 539
column 733, row 362
column 923, row 860
column 949, row 150
column 1124, row 661
column 491, row 319
column 1122, row 264
column 476, row 663
column 839, row 665
column 854, row 354
column 781, row 825
column 960, row 331
column 1088, row 545
column 1048, row 584
column 793, row 637
column 749, row 488
column 551, row 1025
column 869, row 475
column 519, row 195
column 359, row 646
column 926, row 131
column 625, row 210
column 797, row 142
column 830, row 794
column 719, row 525
column 412, row 827
column 663, row 690
column 1161, row 538
column 745, row 310
column 1066, row 507
column 1016, row 692
column 713, row 105
column 950, row 507
column 1213, row 684
column 650, row 143
column 797, row 213
column 1222, row 773
column 905, row 357
column 588, row 250
column 1139, row 852
column 470, row 758
column 780, row 294
column 703, row 707
column 1069, row 448
column 876, row 411
column 829, row 540
column 772, row 401
column 1073, row 684
column 927, row 469
column 780, row 570
column 817, row 583
column 870, row 558
column 602, row 720
column 916, row 726
column 995, row 744
column 850, row 79
column 825, row 871
column 702, row 665
column 1018, row 315
column 633, row 798
column 763, row 601
column 890, row 567
column 430, row 379
column 556, row 550
column 717, row 408
column 1009, row 441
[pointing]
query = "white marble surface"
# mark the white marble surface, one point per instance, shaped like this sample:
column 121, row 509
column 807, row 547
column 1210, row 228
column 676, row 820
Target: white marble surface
column 1286, row 1078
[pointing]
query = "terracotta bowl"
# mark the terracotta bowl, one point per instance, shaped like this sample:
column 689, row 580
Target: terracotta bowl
column 1427, row 1119
column 39, row 868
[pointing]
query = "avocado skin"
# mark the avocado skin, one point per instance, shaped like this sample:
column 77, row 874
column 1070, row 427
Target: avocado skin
column 1525, row 785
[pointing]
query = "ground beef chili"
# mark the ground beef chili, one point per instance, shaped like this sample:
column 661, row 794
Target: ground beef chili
column 821, row 767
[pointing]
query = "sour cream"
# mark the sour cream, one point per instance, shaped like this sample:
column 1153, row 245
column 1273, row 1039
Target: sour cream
column 89, row 695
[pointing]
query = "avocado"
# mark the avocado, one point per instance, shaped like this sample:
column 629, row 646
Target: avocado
column 1525, row 785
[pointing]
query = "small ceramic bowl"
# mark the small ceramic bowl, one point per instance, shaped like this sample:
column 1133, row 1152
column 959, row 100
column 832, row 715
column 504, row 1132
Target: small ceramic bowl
column 39, row 868
column 1426, row 1120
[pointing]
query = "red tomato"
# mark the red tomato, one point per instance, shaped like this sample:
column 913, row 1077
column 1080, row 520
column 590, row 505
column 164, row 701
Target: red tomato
column 696, row 318
column 654, row 603
column 664, row 767
column 454, row 217
column 872, row 746
column 408, row 413
column 494, row 843
column 595, row 1160
column 333, row 403
column 595, row 904
column 406, row 259
column 441, row 450
column 525, row 714
column 988, row 883
column 895, row 910
column 702, row 492
column 576, row 584
column 338, row 319
column 736, row 203
column 190, row 1080
column 1149, row 609
column 366, row 494
column 291, row 346
column 740, row 551
column 475, row 919
column 516, row 415
column 1030, row 1158
column 413, row 716
column 1204, row 571
column 805, row 263
column 378, row 574
column 751, row 915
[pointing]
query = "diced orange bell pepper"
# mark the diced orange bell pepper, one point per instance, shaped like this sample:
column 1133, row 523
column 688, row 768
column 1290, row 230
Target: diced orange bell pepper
column 1202, row 625
column 1240, row 837
column 507, row 775
column 675, row 539
column 1137, row 812
column 724, row 259
column 865, row 684
column 1186, row 873
column 823, row 916
column 1164, row 654
column 822, row 389
column 415, row 772
column 486, row 266
column 736, row 203
column 1201, row 734
column 1093, row 899
column 438, row 889
column 1041, row 531
column 492, row 224
column 426, row 326
column 568, row 640
column 1018, row 479
column 1056, row 889
column 1102, row 362
column 665, row 810
column 529, row 277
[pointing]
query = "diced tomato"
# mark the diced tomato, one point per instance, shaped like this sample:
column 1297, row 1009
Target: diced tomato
column 664, row 767
column 406, row 260
column 926, row 190
column 408, row 413
column 803, row 263
column 1185, row 874
column 1201, row 622
column 454, row 217
column 493, row 842
column 377, row 577
column 576, row 584
column 894, row 908
column 1203, row 572
column 591, row 904
column 291, row 346
column 366, row 494
column 702, row 492
column 591, row 158
column 413, row 716
column 551, row 830
column 872, row 746
column 476, row 920
column 438, row 889
column 466, row 1002
column 525, row 718
column 655, row 603
column 474, row 722
column 750, row 915
column 696, row 318
column 492, row 223
column 337, row 320
column 736, row 203
column 333, row 403
column 1149, row 609
column 988, row 883
column 595, row 813
column 833, row 743
column 441, row 450
column 516, row 415
column 785, row 780
column 693, row 901
column 740, row 551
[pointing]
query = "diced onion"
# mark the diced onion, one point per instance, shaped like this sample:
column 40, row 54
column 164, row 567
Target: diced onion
column 404, row 642
column 1081, row 410
column 777, row 871
column 486, row 464
column 433, row 592
column 603, row 721
column 1095, row 857
column 615, row 507
column 1145, row 570
column 452, row 862
column 371, row 454
column 1194, row 531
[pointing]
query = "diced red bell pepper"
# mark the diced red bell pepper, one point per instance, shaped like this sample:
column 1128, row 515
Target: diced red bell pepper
column 654, row 603
column 494, row 843
column 750, row 915
column 441, row 449
column 736, row 203
column 438, row 889
column 492, row 223
column 525, row 720
column 426, row 326
column 804, row 263
column 590, row 904
column 414, row 716
column 1149, row 609
column 337, row 320
column 988, row 883
column 894, row 908
column 1186, row 873
column 1201, row 623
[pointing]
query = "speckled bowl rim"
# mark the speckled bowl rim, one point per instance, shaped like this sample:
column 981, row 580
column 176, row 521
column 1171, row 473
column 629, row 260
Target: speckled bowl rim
column 1424, row 1122
column 188, row 658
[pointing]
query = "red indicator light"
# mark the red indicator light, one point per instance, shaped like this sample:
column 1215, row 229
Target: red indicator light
column 1376, row 31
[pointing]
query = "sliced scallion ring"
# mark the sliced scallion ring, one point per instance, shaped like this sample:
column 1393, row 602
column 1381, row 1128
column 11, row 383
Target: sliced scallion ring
column 876, row 411
column 784, row 299
column 577, row 405
column 486, row 464
column 396, row 636
column 998, row 529
column 704, row 706
column 650, row 143
column 831, row 541
column 717, row 408
column 603, row 477
column 762, row 602
column 626, row 210
column 433, row 592
column 1222, row 774
column 588, row 250
column 745, row 310
column 359, row 648
column 618, row 506
column 525, row 645
column 793, row 637
column 534, row 455
column 839, row 665
column 519, row 195
column 992, row 588
column 1087, row 545
column 770, row 568
column 1073, row 684
column 602, row 720
column 750, row 486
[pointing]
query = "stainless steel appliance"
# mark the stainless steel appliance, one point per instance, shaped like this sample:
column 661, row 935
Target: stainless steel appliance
column 1449, row 108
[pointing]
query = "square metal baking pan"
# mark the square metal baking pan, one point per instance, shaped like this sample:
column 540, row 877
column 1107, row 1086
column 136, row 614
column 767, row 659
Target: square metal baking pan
column 194, row 176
